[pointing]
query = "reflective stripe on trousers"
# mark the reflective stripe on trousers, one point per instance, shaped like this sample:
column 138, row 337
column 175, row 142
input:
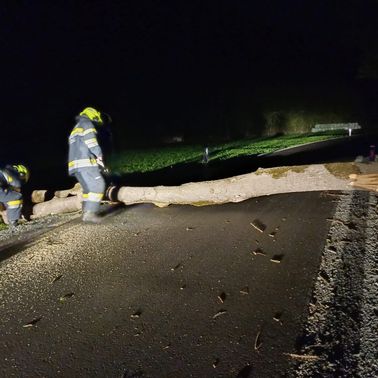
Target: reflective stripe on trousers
column 93, row 185
column 81, row 163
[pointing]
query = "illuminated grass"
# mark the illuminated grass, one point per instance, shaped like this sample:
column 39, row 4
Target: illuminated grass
column 3, row 226
column 145, row 160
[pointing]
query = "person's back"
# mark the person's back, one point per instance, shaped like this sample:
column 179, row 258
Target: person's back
column 12, row 177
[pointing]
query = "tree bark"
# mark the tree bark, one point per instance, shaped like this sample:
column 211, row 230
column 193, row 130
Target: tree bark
column 234, row 189
column 238, row 188
column 57, row 206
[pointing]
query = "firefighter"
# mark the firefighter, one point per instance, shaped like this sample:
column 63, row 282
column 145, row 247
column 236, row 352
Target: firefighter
column 85, row 161
column 12, row 177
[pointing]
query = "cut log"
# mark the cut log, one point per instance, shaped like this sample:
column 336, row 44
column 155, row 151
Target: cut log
column 38, row 196
column 57, row 206
column 76, row 190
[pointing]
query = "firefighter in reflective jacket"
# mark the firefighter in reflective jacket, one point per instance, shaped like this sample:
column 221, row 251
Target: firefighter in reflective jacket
column 12, row 177
column 85, row 162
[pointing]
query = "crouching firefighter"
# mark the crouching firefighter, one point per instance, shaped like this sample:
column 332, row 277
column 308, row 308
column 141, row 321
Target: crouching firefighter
column 12, row 177
column 85, row 162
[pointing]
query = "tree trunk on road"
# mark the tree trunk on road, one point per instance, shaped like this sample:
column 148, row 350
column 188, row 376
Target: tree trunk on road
column 234, row 189
column 238, row 188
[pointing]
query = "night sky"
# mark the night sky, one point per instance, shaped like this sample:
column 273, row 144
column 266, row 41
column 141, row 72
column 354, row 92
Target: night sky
column 166, row 67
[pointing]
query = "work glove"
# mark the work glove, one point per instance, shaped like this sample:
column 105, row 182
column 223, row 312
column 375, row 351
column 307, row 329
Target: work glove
column 101, row 164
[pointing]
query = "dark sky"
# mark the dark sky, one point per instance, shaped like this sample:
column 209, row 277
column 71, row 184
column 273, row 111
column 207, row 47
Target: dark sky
column 152, row 64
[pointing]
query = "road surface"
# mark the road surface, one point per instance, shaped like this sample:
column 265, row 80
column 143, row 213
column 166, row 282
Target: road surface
column 238, row 290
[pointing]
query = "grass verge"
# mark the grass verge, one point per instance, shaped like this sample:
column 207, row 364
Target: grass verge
column 151, row 159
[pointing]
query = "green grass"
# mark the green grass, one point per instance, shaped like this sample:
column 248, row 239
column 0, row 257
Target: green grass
column 3, row 226
column 146, row 160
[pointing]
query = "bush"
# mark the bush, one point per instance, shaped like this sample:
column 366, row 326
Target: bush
column 298, row 121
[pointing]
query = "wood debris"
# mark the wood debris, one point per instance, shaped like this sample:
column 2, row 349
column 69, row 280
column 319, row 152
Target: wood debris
column 302, row 357
column 244, row 290
column 222, row 297
column 176, row 267
column 258, row 341
column 66, row 296
column 259, row 251
column 277, row 316
column 219, row 313
column 258, row 225
column 215, row 363
column 365, row 181
column 277, row 258
column 33, row 322
column 136, row 314
column 57, row 278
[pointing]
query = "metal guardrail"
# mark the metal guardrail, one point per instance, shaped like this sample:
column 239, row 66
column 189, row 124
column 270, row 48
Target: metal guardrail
column 336, row 126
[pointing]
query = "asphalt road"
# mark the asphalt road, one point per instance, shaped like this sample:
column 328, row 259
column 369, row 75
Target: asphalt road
column 174, row 292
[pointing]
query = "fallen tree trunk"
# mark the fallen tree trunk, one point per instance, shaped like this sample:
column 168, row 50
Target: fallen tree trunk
column 75, row 191
column 239, row 188
column 39, row 196
column 234, row 189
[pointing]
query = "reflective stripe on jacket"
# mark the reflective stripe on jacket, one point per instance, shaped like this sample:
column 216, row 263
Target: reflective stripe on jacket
column 83, row 146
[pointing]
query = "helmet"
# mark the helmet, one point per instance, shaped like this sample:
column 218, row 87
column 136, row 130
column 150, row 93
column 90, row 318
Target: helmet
column 22, row 171
column 93, row 114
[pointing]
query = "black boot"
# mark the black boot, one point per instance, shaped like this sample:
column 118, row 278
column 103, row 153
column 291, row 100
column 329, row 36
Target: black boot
column 91, row 217
column 12, row 226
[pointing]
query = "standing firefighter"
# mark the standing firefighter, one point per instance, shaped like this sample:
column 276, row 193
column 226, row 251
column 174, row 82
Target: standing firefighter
column 12, row 177
column 85, row 162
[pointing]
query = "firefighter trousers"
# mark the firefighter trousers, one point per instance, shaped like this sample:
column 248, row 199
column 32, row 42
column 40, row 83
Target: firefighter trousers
column 12, row 201
column 93, row 185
